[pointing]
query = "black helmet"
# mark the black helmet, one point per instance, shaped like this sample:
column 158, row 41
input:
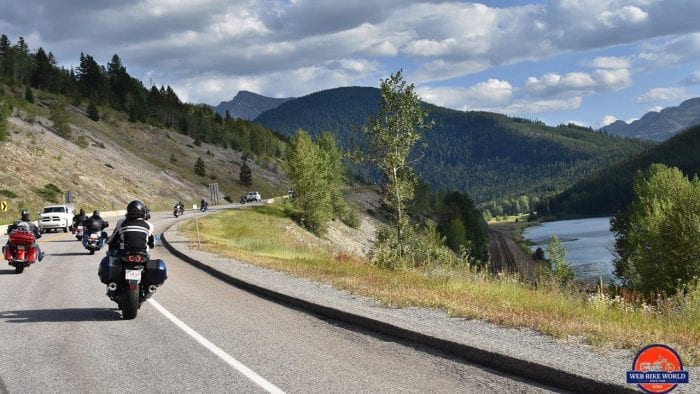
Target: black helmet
column 95, row 213
column 82, row 212
column 25, row 215
column 135, row 210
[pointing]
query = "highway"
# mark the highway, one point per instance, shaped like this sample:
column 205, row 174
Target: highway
column 60, row 333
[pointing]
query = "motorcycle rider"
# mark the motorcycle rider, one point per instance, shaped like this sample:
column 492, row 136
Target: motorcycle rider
column 179, row 207
column 133, row 233
column 24, row 221
column 203, row 205
column 94, row 224
column 78, row 219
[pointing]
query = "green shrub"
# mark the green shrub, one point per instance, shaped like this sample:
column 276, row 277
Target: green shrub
column 50, row 192
column 351, row 218
column 8, row 193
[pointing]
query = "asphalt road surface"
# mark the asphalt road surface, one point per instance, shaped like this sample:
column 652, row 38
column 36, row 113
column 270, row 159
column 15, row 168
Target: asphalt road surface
column 60, row 333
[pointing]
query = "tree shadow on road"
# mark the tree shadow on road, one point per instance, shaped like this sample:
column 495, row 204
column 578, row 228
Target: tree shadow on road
column 60, row 315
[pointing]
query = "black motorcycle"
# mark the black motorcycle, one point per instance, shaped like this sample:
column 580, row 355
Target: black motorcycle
column 131, row 279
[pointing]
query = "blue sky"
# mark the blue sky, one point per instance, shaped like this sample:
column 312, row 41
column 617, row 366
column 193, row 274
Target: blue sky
column 583, row 61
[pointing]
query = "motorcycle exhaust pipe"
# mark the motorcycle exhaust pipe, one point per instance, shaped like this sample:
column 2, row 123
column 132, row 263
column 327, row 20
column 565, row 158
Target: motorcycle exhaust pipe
column 112, row 286
column 152, row 288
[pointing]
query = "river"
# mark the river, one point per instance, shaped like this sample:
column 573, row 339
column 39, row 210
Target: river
column 588, row 244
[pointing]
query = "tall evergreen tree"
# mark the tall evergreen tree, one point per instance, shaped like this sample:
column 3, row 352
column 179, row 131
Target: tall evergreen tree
column 199, row 167
column 59, row 116
column 245, row 175
column 44, row 75
column 93, row 112
column 28, row 94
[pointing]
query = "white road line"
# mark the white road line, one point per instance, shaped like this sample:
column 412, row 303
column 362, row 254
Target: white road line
column 259, row 380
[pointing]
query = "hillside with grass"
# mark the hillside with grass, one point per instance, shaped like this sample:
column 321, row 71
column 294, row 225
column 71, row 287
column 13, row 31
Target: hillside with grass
column 109, row 162
column 487, row 155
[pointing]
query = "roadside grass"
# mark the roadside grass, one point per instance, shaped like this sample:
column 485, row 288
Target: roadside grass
column 263, row 236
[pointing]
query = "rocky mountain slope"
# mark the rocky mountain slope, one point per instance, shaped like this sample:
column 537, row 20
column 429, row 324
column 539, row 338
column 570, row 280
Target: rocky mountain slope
column 248, row 105
column 662, row 125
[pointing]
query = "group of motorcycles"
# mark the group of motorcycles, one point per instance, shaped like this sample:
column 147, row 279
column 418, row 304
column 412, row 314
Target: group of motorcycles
column 131, row 278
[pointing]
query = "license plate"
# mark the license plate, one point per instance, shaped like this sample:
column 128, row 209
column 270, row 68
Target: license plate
column 133, row 275
column 20, row 247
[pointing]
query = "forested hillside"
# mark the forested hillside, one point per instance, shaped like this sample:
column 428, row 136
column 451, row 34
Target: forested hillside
column 80, row 130
column 111, row 85
column 610, row 189
column 490, row 156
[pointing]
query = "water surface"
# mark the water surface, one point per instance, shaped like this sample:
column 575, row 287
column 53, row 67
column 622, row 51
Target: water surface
column 588, row 244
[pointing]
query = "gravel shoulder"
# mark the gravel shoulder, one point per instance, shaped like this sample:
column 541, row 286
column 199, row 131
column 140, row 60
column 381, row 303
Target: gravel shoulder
column 601, row 364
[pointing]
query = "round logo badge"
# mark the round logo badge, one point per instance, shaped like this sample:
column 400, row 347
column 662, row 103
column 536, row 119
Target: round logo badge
column 657, row 369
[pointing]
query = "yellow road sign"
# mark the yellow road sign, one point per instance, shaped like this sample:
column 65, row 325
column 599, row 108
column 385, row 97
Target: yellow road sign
column 3, row 206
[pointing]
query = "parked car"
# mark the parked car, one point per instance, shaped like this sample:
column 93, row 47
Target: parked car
column 253, row 197
column 56, row 217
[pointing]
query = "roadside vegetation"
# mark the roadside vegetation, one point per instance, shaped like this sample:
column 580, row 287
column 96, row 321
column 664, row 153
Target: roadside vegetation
column 267, row 237
column 414, row 264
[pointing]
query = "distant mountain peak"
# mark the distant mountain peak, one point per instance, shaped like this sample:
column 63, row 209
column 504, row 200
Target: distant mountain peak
column 660, row 125
column 248, row 105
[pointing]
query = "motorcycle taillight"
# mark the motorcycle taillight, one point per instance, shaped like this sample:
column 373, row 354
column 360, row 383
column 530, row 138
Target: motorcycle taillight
column 135, row 259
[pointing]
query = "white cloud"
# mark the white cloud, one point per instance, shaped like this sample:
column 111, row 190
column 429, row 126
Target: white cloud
column 607, row 120
column 656, row 108
column 678, row 50
column 663, row 94
column 214, row 88
column 490, row 93
column 623, row 16
column 611, row 62
column 542, row 106
column 577, row 83
column 692, row 79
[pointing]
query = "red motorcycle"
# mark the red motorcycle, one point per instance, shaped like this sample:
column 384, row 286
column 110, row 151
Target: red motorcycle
column 20, row 251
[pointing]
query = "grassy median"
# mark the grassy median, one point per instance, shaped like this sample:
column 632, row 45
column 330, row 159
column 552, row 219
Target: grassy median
column 266, row 237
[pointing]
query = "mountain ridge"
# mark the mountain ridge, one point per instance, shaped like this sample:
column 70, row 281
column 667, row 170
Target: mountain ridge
column 610, row 190
column 466, row 150
column 661, row 125
column 248, row 105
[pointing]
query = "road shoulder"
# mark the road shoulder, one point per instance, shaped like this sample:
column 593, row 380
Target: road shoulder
column 521, row 352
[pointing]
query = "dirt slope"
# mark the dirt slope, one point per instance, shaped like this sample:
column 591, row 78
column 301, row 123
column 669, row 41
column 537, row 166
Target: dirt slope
column 118, row 161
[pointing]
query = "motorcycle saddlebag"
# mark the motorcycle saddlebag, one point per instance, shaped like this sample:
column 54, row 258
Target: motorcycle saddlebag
column 110, row 270
column 156, row 272
column 7, row 251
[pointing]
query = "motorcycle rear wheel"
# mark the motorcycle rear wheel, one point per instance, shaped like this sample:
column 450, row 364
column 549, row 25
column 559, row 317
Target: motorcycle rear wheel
column 129, row 303
column 19, row 269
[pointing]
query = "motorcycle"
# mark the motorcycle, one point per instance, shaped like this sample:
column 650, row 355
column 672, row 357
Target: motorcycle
column 178, row 211
column 78, row 232
column 131, row 279
column 19, row 251
column 204, row 207
column 243, row 200
column 94, row 241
